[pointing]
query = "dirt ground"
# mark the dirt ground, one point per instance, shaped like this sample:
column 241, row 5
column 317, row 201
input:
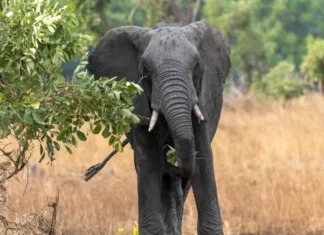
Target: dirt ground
column 269, row 163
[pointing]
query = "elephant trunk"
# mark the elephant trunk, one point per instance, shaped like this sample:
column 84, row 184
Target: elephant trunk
column 176, row 106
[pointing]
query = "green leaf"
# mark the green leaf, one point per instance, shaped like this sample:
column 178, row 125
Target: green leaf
column 121, row 130
column 49, row 145
column 42, row 158
column 127, row 99
column 81, row 136
column 38, row 118
column 135, row 119
column 111, row 140
column 106, row 132
column 118, row 147
column 33, row 50
column 28, row 118
column 57, row 146
column 68, row 149
column 126, row 113
column 61, row 135
column 5, row 123
column 50, row 121
column 61, row 118
column 97, row 129
column 117, row 94
column 74, row 141
column 42, row 153
column 171, row 156
column 51, row 28
column 35, row 105
column 41, row 149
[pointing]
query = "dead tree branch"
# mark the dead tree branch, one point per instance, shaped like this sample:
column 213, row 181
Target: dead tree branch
column 176, row 10
column 196, row 10
column 133, row 11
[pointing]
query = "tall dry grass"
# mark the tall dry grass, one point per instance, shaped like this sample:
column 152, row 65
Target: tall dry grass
column 269, row 162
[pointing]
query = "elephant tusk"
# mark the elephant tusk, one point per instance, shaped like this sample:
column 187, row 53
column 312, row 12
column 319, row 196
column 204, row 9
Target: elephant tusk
column 198, row 112
column 154, row 118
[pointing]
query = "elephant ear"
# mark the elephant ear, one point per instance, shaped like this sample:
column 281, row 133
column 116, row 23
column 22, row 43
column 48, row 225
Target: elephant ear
column 117, row 55
column 213, row 50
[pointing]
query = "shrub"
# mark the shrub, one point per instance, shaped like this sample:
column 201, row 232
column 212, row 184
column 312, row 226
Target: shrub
column 280, row 82
column 36, row 103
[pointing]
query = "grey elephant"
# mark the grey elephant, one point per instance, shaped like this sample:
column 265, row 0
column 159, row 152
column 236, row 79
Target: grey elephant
column 181, row 70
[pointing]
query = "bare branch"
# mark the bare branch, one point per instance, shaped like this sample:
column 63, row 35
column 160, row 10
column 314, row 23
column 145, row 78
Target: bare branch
column 176, row 10
column 96, row 168
column 196, row 10
column 34, row 223
column 133, row 11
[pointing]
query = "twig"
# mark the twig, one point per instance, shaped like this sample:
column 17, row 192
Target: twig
column 54, row 205
column 17, row 169
column 27, row 180
column 8, row 225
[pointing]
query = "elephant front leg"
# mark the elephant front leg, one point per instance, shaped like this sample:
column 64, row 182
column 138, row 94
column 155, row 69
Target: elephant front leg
column 149, row 169
column 204, row 186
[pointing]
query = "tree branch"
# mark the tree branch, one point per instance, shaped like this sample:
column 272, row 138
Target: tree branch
column 196, row 10
column 176, row 10
column 133, row 11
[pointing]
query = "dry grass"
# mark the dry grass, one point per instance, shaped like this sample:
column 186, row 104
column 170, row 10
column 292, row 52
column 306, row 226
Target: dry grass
column 269, row 162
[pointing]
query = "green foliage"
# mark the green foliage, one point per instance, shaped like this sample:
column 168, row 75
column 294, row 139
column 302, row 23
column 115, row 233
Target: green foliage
column 35, row 101
column 235, row 21
column 93, row 16
column 280, row 82
column 287, row 24
column 171, row 156
column 313, row 63
column 262, row 33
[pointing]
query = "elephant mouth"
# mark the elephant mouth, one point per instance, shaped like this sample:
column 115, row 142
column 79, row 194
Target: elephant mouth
column 182, row 139
column 155, row 116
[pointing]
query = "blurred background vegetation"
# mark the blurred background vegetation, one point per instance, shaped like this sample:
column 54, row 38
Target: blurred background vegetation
column 277, row 46
column 268, row 156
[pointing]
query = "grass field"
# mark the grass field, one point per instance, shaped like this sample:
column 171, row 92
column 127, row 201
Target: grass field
column 269, row 161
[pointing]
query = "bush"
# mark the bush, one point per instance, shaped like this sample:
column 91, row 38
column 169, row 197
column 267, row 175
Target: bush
column 280, row 82
column 313, row 63
column 36, row 103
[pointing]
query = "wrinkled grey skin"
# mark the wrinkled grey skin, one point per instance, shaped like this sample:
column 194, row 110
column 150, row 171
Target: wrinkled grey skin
column 182, row 66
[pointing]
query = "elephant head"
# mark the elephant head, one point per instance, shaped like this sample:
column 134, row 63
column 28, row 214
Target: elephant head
column 169, row 62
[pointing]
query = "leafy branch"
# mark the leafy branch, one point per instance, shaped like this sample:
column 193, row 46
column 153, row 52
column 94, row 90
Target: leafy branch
column 37, row 105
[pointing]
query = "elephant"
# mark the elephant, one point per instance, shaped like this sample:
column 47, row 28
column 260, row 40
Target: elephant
column 182, row 70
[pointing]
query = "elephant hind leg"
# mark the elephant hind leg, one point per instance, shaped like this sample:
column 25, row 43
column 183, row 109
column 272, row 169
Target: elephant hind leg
column 173, row 195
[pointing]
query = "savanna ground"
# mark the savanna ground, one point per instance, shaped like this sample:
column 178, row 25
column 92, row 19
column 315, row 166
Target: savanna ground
column 269, row 161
